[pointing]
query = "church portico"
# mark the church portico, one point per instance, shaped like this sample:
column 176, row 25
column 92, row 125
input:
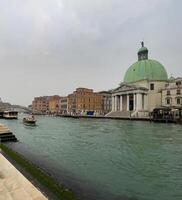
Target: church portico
column 130, row 98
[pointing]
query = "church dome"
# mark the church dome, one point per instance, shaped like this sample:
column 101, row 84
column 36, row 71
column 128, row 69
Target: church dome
column 145, row 69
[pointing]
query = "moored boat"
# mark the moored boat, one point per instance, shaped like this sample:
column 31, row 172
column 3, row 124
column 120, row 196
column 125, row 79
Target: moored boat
column 167, row 115
column 10, row 115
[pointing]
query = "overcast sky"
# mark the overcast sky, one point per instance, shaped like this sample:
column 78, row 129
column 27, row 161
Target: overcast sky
column 51, row 47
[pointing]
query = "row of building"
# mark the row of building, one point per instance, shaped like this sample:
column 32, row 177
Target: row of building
column 146, row 86
column 82, row 101
column 85, row 101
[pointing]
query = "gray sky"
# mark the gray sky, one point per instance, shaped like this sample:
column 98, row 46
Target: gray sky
column 53, row 46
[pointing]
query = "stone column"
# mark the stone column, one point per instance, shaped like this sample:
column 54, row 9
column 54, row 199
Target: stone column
column 134, row 101
column 115, row 103
column 127, row 102
column 145, row 102
column 112, row 103
column 118, row 103
column 121, row 103
column 139, row 101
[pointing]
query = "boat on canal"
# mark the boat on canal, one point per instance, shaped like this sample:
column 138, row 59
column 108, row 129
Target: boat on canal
column 30, row 120
column 167, row 115
column 10, row 115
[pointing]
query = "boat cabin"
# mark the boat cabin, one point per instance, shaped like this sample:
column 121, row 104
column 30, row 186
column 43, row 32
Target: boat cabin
column 165, row 114
column 10, row 115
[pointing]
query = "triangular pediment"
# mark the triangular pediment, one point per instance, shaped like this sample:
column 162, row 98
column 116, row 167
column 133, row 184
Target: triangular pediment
column 128, row 87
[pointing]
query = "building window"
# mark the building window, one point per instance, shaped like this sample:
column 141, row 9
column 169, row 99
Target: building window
column 168, row 92
column 178, row 101
column 178, row 83
column 168, row 101
column 178, row 91
column 152, row 86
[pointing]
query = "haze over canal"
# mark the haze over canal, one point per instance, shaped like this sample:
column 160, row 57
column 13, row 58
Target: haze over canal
column 106, row 159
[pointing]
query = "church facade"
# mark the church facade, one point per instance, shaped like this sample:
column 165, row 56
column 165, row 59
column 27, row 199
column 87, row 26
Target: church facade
column 140, row 92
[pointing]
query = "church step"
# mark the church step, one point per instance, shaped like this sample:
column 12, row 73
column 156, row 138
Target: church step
column 120, row 114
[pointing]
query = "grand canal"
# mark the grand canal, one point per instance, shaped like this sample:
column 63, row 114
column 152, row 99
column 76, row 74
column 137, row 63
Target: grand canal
column 106, row 159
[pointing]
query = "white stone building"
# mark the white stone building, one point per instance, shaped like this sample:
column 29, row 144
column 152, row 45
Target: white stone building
column 106, row 102
column 63, row 105
column 172, row 93
column 141, row 90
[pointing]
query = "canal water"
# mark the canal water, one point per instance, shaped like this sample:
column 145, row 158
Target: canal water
column 106, row 159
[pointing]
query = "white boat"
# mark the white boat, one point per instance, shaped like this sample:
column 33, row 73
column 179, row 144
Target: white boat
column 10, row 114
column 29, row 120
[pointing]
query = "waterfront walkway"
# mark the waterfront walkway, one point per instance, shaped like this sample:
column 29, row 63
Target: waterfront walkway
column 14, row 186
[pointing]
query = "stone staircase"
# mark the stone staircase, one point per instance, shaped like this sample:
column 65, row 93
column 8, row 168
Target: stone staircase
column 6, row 135
column 140, row 114
column 119, row 114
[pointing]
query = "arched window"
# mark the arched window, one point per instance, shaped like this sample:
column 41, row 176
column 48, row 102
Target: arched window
column 168, row 101
column 178, row 101
column 168, row 92
column 152, row 86
column 178, row 83
column 178, row 91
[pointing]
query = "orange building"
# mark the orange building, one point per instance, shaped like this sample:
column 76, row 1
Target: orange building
column 54, row 104
column 84, row 100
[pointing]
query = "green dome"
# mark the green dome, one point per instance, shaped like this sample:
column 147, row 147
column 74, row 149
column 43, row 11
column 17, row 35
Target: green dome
column 145, row 70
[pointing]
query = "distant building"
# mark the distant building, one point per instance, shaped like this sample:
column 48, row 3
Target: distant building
column 30, row 107
column 5, row 106
column 172, row 93
column 63, row 105
column 54, row 104
column 106, row 101
column 41, row 104
column 84, row 101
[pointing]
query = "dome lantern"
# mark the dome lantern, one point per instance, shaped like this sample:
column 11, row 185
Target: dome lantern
column 142, row 52
column 145, row 69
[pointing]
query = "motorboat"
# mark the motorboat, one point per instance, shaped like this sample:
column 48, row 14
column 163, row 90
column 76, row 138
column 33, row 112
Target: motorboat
column 10, row 115
column 29, row 120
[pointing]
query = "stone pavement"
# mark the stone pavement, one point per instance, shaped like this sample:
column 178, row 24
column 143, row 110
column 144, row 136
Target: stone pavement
column 14, row 186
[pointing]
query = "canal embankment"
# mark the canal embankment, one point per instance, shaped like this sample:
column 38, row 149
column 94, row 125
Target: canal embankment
column 104, row 117
column 13, row 185
column 47, row 184
column 132, row 118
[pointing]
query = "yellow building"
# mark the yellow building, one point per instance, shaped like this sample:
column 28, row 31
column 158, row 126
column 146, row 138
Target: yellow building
column 54, row 104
